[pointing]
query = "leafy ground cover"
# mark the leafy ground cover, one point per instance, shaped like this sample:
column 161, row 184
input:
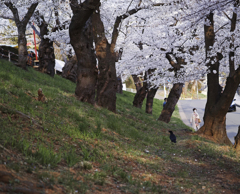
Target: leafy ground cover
column 66, row 146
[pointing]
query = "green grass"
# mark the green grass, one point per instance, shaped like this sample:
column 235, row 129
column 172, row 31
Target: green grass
column 74, row 139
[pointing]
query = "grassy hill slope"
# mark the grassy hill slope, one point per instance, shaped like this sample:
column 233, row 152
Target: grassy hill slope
column 66, row 146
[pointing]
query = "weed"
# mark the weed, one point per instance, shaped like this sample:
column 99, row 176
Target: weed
column 64, row 123
column 47, row 156
column 71, row 157
column 196, row 137
column 17, row 82
column 112, row 123
column 99, row 178
column 123, row 175
column 5, row 77
column 15, row 166
column 72, row 184
column 86, row 153
column 83, row 125
column 98, row 130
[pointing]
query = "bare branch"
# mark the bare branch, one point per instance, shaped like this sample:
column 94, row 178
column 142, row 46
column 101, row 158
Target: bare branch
column 14, row 11
column 29, row 13
column 227, row 15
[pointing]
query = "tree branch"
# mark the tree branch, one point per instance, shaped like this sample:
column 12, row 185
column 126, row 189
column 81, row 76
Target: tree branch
column 227, row 15
column 14, row 11
column 29, row 13
column 117, row 23
column 7, row 18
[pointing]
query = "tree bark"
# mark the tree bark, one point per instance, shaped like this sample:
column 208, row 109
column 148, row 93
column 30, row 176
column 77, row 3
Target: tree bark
column 86, row 70
column 46, row 50
column 22, row 47
column 217, row 103
column 173, row 98
column 176, row 90
column 119, row 85
column 217, row 107
column 107, row 86
column 141, row 94
column 107, row 80
column 69, row 70
column 21, row 26
column 137, row 82
column 237, row 140
column 80, row 31
column 150, row 97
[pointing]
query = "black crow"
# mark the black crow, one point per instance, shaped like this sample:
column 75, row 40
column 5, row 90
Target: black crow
column 172, row 137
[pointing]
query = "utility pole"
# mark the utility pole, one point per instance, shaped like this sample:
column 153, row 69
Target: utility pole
column 197, row 88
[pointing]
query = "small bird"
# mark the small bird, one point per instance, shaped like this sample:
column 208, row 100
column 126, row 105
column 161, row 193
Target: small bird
column 172, row 137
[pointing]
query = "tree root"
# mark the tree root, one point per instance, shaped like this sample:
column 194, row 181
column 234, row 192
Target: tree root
column 5, row 149
column 20, row 190
column 22, row 114
column 237, row 140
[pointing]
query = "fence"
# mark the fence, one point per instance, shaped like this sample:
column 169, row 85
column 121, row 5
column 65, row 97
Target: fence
column 159, row 95
column 6, row 54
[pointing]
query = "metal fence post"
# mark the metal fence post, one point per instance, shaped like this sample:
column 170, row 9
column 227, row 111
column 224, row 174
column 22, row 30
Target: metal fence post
column 9, row 56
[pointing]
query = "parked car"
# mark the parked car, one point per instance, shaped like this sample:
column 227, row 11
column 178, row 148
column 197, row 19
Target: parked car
column 237, row 100
column 232, row 107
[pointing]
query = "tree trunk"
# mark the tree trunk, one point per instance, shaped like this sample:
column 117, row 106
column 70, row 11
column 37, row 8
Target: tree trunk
column 69, row 70
column 141, row 94
column 86, row 70
column 137, row 82
column 46, row 51
column 215, row 126
column 217, row 107
column 217, row 103
column 173, row 98
column 21, row 26
column 150, row 96
column 22, row 47
column 119, row 85
column 185, row 88
column 237, row 140
column 82, row 41
column 107, row 80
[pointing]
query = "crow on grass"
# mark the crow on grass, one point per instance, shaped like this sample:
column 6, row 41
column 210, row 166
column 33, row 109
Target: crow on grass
column 172, row 137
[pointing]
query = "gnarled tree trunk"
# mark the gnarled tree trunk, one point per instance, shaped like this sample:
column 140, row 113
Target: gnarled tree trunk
column 46, row 50
column 217, row 107
column 21, row 26
column 107, row 80
column 80, row 31
column 217, row 103
column 119, row 85
column 86, row 70
column 141, row 94
column 150, row 97
column 137, row 82
column 22, row 47
column 173, row 98
column 69, row 70
column 237, row 140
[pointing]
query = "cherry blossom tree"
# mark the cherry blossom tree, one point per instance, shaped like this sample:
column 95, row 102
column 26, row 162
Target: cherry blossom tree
column 21, row 11
column 187, row 34
column 160, row 38
column 53, row 26
column 82, row 41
